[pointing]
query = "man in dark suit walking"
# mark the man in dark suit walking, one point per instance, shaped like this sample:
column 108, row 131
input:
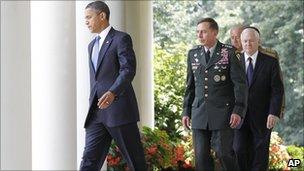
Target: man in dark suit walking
column 265, row 98
column 113, row 111
column 215, row 98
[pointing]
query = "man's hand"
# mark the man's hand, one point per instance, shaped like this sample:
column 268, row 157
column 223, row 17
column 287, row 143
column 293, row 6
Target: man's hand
column 235, row 120
column 106, row 100
column 186, row 122
column 271, row 121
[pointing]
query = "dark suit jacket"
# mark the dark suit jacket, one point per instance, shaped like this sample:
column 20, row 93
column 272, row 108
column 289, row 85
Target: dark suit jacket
column 215, row 89
column 115, row 71
column 265, row 95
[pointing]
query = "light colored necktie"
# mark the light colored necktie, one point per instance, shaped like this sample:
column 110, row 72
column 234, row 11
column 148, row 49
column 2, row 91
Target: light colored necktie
column 95, row 52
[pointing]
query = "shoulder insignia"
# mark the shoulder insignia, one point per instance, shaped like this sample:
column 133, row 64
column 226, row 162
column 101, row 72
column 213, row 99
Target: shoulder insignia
column 238, row 55
column 268, row 51
column 196, row 47
column 227, row 46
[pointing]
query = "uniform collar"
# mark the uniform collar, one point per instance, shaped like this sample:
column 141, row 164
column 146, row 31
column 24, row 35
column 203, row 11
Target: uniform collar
column 211, row 49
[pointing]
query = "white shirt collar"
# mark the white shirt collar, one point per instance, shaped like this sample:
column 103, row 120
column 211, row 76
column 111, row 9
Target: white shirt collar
column 103, row 34
column 253, row 57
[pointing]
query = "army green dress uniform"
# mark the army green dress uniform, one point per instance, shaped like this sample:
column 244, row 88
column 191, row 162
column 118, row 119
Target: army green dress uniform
column 214, row 91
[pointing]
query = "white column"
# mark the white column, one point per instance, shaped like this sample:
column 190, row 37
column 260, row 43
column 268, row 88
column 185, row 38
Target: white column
column 15, row 86
column 53, row 85
column 83, row 37
column 139, row 24
column 117, row 14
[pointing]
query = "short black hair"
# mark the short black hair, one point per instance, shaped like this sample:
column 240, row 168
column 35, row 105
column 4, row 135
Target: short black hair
column 254, row 28
column 213, row 24
column 100, row 6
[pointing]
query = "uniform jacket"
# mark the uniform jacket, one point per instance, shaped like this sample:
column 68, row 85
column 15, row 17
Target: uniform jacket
column 116, row 69
column 215, row 89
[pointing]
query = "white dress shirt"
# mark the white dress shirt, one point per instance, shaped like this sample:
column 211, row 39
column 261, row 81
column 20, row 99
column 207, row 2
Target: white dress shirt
column 103, row 35
column 253, row 57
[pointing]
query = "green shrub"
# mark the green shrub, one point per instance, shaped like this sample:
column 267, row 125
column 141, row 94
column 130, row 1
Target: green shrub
column 296, row 153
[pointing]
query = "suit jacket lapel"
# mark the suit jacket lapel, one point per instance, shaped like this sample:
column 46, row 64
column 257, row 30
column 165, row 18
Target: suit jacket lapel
column 258, row 66
column 104, row 47
column 90, row 55
column 243, row 64
column 216, row 56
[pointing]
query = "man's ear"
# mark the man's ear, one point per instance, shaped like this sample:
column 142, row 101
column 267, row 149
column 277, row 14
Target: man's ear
column 259, row 41
column 215, row 32
column 103, row 16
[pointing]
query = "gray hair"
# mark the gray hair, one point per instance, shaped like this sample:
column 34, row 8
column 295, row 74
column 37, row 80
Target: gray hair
column 256, row 33
column 238, row 26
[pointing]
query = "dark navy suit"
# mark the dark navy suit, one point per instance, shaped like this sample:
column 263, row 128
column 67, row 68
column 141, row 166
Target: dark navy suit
column 115, row 71
column 265, row 96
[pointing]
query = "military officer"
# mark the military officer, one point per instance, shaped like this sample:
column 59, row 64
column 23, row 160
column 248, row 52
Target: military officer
column 235, row 37
column 215, row 97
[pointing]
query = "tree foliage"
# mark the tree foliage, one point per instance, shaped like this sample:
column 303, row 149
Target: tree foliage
column 281, row 27
column 169, row 72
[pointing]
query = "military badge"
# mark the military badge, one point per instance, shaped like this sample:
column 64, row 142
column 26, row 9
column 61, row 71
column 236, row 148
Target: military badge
column 216, row 67
column 224, row 55
column 195, row 65
column 224, row 67
column 223, row 77
column 238, row 56
column 217, row 78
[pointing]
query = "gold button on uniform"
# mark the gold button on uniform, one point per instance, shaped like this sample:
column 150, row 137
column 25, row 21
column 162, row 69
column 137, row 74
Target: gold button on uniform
column 206, row 87
column 206, row 79
column 206, row 71
column 206, row 95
